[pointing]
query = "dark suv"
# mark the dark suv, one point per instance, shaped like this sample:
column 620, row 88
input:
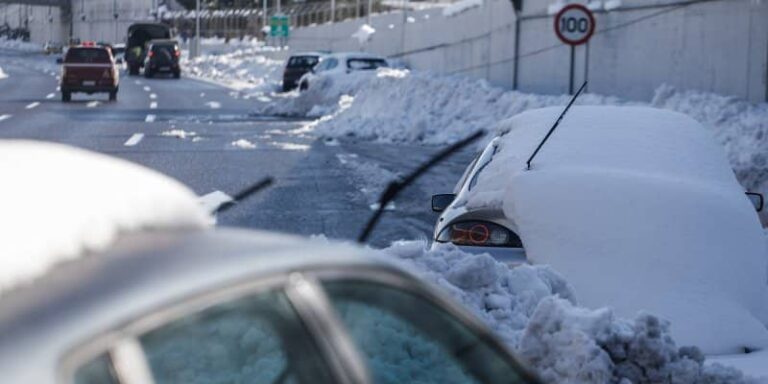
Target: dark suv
column 297, row 66
column 89, row 69
column 162, row 57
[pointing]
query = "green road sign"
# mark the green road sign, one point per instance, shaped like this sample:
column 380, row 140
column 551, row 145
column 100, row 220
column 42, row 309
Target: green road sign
column 279, row 26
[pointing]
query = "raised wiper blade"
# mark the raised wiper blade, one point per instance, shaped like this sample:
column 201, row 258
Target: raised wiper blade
column 221, row 202
column 396, row 186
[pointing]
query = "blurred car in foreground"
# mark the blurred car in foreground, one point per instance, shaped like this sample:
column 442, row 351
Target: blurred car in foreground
column 89, row 69
column 102, row 294
column 162, row 57
column 342, row 63
column 637, row 207
column 298, row 65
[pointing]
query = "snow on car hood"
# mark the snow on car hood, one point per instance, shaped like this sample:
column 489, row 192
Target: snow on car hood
column 59, row 203
column 640, row 211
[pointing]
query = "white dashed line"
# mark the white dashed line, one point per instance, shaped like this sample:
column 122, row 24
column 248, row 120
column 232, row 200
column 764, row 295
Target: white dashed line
column 33, row 105
column 50, row 96
column 4, row 117
column 153, row 105
column 93, row 104
column 135, row 139
column 147, row 88
column 138, row 82
column 152, row 96
column 58, row 89
column 150, row 119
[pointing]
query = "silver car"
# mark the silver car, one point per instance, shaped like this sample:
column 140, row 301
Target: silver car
column 235, row 306
column 478, row 230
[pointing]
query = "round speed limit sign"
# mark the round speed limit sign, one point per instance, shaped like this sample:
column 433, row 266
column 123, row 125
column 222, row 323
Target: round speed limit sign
column 574, row 24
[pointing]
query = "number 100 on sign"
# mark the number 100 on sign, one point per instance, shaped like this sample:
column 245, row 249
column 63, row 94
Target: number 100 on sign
column 574, row 24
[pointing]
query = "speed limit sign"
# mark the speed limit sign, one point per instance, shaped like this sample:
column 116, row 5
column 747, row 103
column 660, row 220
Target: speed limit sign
column 574, row 24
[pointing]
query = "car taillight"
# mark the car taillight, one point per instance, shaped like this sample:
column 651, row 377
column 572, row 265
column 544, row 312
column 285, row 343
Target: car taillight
column 150, row 54
column 479, row 234
column 177, row 53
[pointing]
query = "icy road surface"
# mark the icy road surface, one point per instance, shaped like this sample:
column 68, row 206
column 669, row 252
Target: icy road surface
column 169, row 125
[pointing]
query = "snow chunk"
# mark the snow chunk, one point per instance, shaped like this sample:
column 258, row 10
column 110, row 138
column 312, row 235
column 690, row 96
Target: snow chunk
column 179, row 133
column 60, row 203
column 243, row 144
column 612, row 4
column 364, row 33
column 3, row 75
column 533, row 310
column 647, row 196
column 461, row 6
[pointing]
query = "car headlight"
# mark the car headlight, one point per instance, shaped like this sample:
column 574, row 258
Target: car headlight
column 479, row 234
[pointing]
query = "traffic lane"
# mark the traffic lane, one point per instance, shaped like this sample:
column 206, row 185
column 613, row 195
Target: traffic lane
column 22, row 88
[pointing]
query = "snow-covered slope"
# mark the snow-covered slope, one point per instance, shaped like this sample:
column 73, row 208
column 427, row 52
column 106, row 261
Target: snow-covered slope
column 639, row 210
column 59, row 203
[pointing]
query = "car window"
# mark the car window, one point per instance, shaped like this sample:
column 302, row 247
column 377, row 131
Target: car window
column 87, row 56
column 252, row 340
column 97, row 371
column 302, row 61
column 485, row 159
column 365, row 64
column 408, row 339
column 327, row 64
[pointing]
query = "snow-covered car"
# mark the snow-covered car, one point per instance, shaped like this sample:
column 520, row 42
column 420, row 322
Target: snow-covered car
column 637, row 207
column 116, row 286
column 342, row 63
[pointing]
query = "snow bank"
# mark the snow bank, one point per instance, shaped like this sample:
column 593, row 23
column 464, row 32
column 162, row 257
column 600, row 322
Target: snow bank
column 364, row 34
column 646, row 197
column 534, row 311
column 18, row 45
column 60, row 203
column 243, row 69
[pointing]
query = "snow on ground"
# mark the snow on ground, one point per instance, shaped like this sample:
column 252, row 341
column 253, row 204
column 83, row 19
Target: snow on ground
column 3, row 75
column 535, row 312
column 461, row 6
column 43, row 230
column 18, row 45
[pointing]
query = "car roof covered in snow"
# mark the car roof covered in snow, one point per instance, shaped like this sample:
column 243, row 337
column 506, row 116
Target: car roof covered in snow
column 140, row 273
column 640, row 211
column 355, row 55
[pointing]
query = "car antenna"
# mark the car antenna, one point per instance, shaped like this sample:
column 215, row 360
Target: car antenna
column 395, row 186
column 244, row 194
column 541, row 144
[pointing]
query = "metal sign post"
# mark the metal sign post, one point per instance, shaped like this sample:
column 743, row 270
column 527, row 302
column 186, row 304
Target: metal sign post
column 574, row 25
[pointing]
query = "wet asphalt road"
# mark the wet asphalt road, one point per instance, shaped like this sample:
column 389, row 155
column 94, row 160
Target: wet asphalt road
column 321, row 187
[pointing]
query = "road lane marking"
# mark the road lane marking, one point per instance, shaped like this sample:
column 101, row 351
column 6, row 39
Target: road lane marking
column 58, row 89
column 153, row 105
column 152, row 96
column 213, row 104
column 33, row 105
column 4, row 117
column 50, row 96
column 138, row 82
column 150, row 119
column 93, row 104
column 147, row 88
column 133, row 140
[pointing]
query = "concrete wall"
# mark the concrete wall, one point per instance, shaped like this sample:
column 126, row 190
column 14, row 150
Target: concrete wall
column 94, row 19
column 44, row 23
column 717, row 46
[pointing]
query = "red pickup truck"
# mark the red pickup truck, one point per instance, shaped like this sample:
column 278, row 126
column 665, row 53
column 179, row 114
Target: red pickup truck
column 89, row 69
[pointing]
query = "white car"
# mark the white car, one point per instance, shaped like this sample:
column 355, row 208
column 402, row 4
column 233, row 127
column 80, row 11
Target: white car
column 340, row 64
column 637, row 207
column 100, row 284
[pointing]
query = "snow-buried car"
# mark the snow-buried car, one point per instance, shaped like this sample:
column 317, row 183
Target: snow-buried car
column 636, row 207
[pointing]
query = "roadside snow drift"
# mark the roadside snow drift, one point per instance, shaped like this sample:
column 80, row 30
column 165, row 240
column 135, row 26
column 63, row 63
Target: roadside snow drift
column 535, row 312
column 60, row 203
column 639, row 210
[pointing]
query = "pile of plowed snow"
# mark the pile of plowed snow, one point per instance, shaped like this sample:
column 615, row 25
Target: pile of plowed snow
column 243, row 69
column 534, row 310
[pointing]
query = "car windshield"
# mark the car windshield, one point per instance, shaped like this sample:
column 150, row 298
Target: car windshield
column 366, row 64
column 302, row 61
column 87, row 55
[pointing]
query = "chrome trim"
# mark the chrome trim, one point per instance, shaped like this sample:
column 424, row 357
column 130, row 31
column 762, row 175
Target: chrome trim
column 130, row 363
column 310, row 300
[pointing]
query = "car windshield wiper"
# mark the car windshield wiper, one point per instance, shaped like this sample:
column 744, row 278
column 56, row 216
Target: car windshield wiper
column 396, row 186
column 230, row 201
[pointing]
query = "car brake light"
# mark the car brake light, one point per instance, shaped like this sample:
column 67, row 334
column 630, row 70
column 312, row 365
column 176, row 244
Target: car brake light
column 178, row 53
column 150, row 54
